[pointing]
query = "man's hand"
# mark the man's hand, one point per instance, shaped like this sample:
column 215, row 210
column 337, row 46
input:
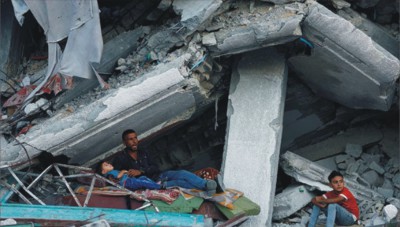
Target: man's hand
column 134, row 172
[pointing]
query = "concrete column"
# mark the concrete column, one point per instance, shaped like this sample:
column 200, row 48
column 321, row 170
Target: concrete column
column 255, row 112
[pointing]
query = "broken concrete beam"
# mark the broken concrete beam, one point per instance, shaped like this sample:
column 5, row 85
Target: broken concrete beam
column 194, row 13
column 373, row 30
column 254, row 128
column 363, row 135
column 118, row 47
column 312, row 174
column 265, row 27
column 290, row 200
column 156, row 100
column 367, row 73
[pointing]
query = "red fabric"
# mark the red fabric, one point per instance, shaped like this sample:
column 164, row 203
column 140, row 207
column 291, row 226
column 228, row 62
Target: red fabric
column 20, row 96
column 207, row 173
column 349, row 204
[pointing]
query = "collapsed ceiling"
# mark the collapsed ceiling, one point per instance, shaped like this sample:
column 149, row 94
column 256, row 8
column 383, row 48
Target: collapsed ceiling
column 206, row 80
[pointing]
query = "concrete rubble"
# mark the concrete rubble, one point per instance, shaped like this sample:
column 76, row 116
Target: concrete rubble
column 247, row 87
column 371, row 196
column 79, row 132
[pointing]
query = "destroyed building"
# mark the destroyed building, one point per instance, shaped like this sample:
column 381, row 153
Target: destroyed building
column 272, row 93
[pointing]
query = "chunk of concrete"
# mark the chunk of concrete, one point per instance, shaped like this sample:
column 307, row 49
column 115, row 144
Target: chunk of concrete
column 118, row 47
column 328, row 163
column 363, row 135
column 373, row 178
column 254, row 128
column 281, row 24
column 373, row 30
column 156, row 100
column 373, row 165
column 290, row 200
column 342, row 70
column 353, row 167
column 354, row 150
column 390, row 142
column 209, row 39
column 368, row 158
column 314, row 175
column 194, row 13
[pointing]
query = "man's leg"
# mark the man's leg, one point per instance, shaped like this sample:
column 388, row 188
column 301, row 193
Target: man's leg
column 184, row 179
column 134, row 184
column 314, row 216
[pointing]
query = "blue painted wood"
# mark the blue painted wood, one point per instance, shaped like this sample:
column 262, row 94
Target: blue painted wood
column 113, row 216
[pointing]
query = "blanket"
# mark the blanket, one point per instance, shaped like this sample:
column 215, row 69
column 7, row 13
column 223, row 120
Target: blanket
column 225, row 198
column 167, row 195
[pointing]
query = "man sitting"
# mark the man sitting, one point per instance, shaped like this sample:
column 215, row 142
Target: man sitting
column 138, row 163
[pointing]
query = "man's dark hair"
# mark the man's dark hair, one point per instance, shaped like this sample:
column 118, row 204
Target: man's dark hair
column 333, row 175
column 126, row 132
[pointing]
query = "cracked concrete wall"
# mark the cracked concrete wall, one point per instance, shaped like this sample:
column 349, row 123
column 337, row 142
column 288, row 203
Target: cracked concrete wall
column 254, row 129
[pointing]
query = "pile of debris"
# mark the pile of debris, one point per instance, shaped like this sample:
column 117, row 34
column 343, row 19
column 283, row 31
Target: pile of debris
column 376, row 187
column 165, row 63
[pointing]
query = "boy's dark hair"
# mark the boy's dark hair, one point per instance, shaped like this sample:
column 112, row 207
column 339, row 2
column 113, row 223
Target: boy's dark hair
column 126, row 132
column 333, row 175
column 99, row 167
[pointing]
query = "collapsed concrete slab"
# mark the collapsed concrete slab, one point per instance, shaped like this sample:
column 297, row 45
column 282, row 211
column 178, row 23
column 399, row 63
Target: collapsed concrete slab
column 314, row 175
column 194, row 13
column 264, row 27
column 161, row 98
column 376, row 32
column 290, row 200
column 118, row 47
column 254, row 128
column 362, row 135
column 364, row 74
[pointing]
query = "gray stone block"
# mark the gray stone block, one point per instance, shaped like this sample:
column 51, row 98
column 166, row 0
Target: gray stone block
column 372, row 178
column 386, row 192
column 373, row 165
column 342, row 70
column 354, row 150
column 368, row 158
column 290, row 200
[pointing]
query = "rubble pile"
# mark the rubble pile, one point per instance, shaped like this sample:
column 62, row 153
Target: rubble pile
column 374, row 185
column 316, row 78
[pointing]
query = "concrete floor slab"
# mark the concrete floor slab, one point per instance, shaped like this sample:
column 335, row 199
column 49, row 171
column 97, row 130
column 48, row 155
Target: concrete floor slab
column 341, row 70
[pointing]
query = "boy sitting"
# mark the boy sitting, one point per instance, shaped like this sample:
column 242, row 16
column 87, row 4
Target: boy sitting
column 339, row 205
column 131, row 183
